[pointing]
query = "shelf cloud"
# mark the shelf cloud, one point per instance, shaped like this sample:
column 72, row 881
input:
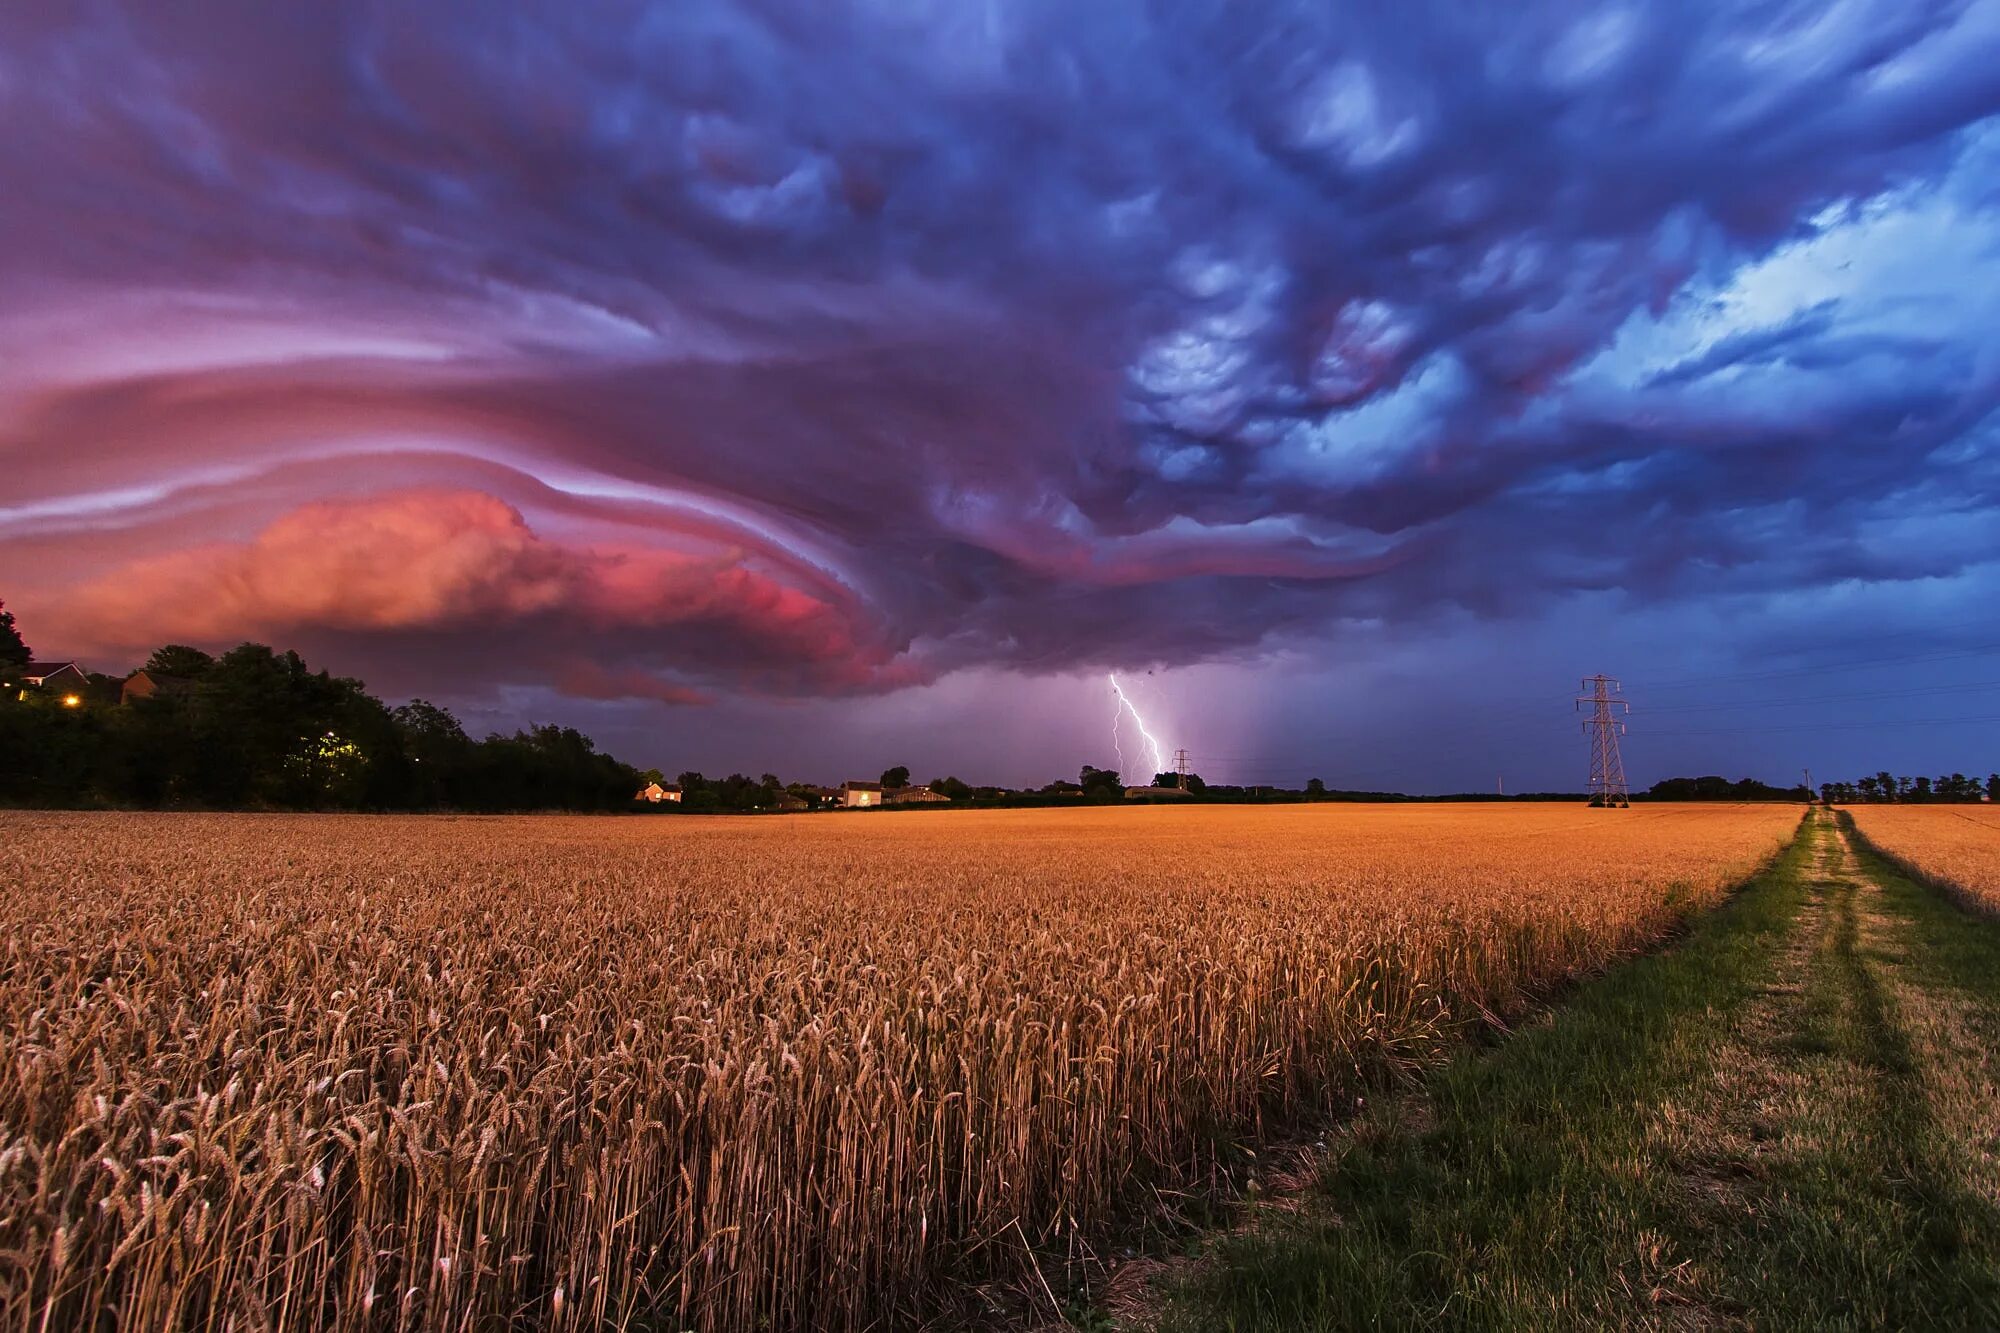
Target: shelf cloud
column 677, row 352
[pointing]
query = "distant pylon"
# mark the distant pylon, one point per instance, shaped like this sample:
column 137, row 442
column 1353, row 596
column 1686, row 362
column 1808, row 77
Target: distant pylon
column 1607, row 767
column 1180, row 767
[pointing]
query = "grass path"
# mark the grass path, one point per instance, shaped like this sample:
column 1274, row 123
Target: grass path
column 1789, row 1120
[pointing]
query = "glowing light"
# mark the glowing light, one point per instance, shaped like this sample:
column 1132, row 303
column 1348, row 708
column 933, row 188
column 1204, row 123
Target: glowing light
column 1126, row 706
column 71, row 701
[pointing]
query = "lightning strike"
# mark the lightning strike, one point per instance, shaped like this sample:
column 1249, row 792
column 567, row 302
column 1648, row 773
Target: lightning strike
column 1126, row 706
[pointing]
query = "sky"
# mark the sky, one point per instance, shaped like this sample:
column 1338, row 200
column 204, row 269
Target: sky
column 814, row 387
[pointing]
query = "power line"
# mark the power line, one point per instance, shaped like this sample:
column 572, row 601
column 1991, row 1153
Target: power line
column 1929, row 655
column 1851, row 696
column 1958, row 720
column 1535, row 716
column 1536, row 709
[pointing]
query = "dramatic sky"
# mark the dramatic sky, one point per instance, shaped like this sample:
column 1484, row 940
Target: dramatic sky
column 817, row 386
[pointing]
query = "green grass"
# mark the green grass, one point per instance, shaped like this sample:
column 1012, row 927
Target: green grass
column 1954, row 946
column 1734, row 1131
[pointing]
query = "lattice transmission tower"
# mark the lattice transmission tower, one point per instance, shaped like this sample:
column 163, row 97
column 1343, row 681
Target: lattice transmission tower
column 1607, row 767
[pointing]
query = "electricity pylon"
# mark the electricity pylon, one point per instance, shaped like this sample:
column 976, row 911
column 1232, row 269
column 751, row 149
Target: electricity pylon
column 1607, row 767
column 1180, row 768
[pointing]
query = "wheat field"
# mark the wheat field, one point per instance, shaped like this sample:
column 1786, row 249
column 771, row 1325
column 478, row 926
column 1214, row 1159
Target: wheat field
column 1955, row 845
column 358, row 1072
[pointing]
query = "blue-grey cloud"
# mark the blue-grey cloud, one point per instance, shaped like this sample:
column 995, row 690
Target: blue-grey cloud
column 1020, row 335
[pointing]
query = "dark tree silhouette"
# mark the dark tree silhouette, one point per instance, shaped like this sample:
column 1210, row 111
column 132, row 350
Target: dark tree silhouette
column 177, row 659
column 1099, row 781
column 260, row 728
column 13, row 652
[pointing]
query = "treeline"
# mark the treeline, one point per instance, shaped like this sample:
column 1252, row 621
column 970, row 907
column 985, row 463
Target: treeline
column 258, row 728
column 1881, row 787
column 1713, row 788
column 741, row 794
column 1949, row 789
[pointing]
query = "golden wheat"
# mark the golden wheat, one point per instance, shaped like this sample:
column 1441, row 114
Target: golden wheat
column 353, row 1072
column 1955, row 845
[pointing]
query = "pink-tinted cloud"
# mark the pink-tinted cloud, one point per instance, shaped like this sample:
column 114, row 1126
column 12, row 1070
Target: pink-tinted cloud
column 454, row 563
column 584, row 679
column 427, row 560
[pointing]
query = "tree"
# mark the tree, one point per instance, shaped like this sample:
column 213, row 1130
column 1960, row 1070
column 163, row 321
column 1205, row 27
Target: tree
column 1099, row 781
column 252, row 713
column 548, row 768
column 260, row 728
column 952, row 787
column 899, row 776
column 1315, row 787
column 13, row 652
column 439, row 754
column 177, row 659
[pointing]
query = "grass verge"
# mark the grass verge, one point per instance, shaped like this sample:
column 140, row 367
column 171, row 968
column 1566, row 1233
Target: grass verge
column 1744, row 1130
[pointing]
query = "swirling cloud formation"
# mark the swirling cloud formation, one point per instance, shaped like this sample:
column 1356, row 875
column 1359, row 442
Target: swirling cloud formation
column 658, row 351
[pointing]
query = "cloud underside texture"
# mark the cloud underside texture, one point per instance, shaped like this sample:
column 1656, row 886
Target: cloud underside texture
column 827, row 348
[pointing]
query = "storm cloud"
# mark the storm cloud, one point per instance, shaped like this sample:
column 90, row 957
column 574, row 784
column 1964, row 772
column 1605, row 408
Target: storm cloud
column 819, row 349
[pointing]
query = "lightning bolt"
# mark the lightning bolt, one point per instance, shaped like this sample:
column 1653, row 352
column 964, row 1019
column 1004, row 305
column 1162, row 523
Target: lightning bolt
column 1125, row 706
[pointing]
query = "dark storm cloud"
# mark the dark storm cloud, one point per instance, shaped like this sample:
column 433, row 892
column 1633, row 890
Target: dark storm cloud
column 826, row 347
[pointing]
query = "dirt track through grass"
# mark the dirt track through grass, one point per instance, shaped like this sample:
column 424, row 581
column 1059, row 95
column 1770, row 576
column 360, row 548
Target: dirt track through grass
column 1790, row 1120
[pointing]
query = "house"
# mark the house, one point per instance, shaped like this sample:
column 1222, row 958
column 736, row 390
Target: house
column 859, row 794
column 791, row 804
column 656, row 793
column 913, row 796
column 1156, row 794
column 51, row 676
column 64, row 678
column 143, row 684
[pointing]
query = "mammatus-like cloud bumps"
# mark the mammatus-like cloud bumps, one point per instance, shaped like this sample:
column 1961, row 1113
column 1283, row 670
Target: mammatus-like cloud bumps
column 808, row 349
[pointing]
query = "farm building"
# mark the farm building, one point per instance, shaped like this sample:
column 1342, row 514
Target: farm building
column 915, row 795
column 145, row 684
column 656, row 793
column 860, row 793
